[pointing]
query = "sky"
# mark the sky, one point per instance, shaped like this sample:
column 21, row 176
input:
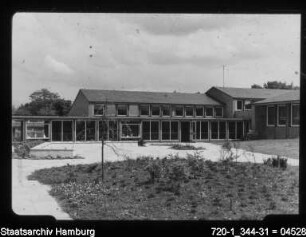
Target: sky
column 65, row 52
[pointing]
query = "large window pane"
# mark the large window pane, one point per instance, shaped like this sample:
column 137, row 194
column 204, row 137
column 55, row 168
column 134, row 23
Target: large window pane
column 271, row 115
column 222, row 130
column 282, row 115
column 80, row 130
column 295, row 114
column 174, row 130
column 154, row 130
column 90, row 131
column 204, row 130
column 198, row 131
column 37, row 129
column 67, row 130
column 130, row 130
column 113, row 130
column 232, row 130
column 214, row 130
column 102, row 130
column 17, row 131
column 56, row 130
column 146, row 130
column 239, row 130
column 165, row 130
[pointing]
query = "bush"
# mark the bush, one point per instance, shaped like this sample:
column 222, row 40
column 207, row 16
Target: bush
column 23, row 149
column 178, row 172
column 155, row 171
column 195, row 163
column 277, row 162
column 185, row 147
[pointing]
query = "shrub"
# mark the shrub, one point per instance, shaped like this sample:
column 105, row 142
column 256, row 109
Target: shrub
column 155, row 171
column 185, row 147
column 196, row 164
column 23, row 149
column 277, row 162
column 178, row 172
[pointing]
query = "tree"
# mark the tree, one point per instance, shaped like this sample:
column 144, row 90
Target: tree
column 256, row 86
column 277, row 85
column 45, row 102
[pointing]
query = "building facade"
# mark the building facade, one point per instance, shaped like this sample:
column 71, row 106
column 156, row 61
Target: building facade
column 152, row 116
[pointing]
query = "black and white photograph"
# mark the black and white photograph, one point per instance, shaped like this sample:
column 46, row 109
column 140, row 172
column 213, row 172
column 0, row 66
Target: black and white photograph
column 145, row 116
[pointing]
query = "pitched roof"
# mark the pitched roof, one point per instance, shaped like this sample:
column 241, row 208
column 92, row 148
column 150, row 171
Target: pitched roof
column 293, row 95
column 147, row 97
column 250, row 93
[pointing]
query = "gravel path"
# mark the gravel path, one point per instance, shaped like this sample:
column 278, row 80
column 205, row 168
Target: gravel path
column 32, row 198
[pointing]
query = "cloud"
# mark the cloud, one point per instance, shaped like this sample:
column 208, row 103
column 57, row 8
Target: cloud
column 180, row 24
column 57, row 66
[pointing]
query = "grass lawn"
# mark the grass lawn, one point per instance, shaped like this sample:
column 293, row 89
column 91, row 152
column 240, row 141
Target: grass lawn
column 284, row 147
column 173, row 189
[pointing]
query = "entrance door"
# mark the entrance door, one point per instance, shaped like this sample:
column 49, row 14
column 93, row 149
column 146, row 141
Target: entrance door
column 185, row 131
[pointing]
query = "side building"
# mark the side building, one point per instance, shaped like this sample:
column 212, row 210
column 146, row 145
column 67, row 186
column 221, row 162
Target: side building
column 278, row 117
column 239, row 102
column 133, row 115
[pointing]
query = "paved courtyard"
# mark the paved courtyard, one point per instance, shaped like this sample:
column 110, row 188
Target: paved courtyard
column 32, row 198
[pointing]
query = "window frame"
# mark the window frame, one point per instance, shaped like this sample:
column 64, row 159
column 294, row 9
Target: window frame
column 237, row 105
column 130, row 124
column 126, row 107
column 179, row 106
column 153, row 115
column 103, row 106
column 162, row 110
column 199, row 107
column 212, row 108
column 188, row 107
column 144, row 105
column 294, row 104
column 215, row 114
column 244, row 104
column 267, row 115
column 282, row 125
column 45, row 124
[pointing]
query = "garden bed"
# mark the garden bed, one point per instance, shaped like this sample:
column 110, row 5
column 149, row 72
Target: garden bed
column 173, row 189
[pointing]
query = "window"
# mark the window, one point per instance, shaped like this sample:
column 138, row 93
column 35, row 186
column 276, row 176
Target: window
column 189, row 111
column 17, row 131
column 122, row 110
column 166, row 110
column 103, row 130
column 209, row 111
column 112, row 130
column 295, row 118
column 80, row 130
column 232, row 130
column 154, row 130
column 239, row 104
column 214, row 130
column 166, row 130
column 155, row 110
column 218, row 112
column 247, row 105
column 90, row 130
column 56, row 130
column 130, row 130
column 204, row 130
column 37, row 129
column 146, row 128
column 199, row 111
column 222, row 130
column 271, row 115
column 98, row 109
column 144, row 110
column 178, row 111
column 174, row 130
column 282, row 115
column 67, row 130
